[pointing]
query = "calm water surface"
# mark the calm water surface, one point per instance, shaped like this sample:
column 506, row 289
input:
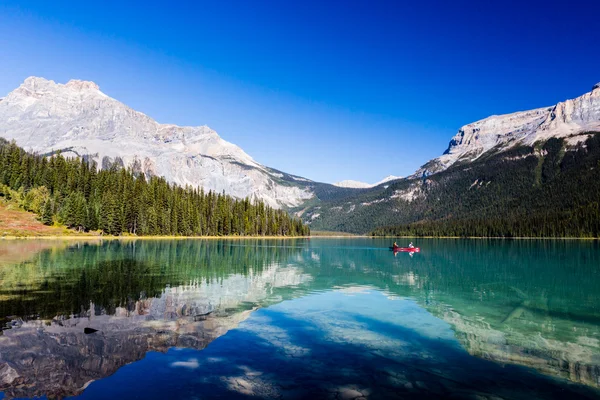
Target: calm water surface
column 318, row 318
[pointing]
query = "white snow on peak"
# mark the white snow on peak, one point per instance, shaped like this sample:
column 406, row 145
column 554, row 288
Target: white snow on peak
column 363, row 185
column 352, row 184
column 77, row 118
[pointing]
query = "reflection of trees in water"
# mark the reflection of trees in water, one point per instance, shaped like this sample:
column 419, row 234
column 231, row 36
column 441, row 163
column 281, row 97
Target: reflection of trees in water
column 135, row 299
column 497, row 295
column 118, row 273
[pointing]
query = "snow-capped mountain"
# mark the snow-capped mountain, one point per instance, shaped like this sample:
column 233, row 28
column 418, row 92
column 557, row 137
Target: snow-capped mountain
column 78, row 119
column 362, row 185
column 501, row 132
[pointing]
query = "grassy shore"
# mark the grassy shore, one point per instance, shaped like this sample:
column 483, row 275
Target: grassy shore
column 16, row 223
column 133, row 237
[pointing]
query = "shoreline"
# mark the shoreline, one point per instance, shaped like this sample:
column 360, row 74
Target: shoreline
column 90, row 237
column 489, row 237
column 162, row 237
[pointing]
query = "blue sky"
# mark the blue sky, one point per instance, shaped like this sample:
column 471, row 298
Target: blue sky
column 326, row 90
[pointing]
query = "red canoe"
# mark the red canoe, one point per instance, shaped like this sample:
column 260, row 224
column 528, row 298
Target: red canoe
column 406, row 249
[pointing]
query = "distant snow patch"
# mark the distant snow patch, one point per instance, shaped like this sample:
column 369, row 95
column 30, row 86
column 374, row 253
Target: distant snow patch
column 362, row 185
column 300, row 179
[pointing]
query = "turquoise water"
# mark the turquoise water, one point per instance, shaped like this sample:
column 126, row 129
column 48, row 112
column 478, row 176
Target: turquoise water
column 318, row 318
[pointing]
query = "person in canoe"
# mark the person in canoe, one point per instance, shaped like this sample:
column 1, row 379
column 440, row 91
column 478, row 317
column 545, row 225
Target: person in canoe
column 395, row 246
column 411, row 245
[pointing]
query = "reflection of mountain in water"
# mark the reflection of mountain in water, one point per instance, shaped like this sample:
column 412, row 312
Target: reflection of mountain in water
column 576, row 358
column 527, row 303
column 530, row 303
column 55, row 357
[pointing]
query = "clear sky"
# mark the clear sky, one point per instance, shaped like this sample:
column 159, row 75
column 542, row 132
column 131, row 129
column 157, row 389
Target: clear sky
column 324, row 89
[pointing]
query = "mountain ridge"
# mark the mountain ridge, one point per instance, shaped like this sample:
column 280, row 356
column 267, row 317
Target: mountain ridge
column 77, row 118
column 564, row 119
column 551, row 142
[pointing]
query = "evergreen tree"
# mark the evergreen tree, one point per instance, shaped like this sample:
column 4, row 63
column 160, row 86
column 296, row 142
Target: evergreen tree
column 47, row 213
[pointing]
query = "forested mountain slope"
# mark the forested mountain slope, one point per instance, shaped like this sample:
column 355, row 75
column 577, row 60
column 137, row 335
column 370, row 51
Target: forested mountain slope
column 551, row 188
column 546, row 190
column 117, row 200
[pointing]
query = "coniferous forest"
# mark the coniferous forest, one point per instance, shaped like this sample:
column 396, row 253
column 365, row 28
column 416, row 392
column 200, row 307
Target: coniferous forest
column 546, row 190
column 73, row 192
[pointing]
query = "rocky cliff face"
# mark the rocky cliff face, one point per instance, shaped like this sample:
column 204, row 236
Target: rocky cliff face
column 501, row 132
column 78, row 119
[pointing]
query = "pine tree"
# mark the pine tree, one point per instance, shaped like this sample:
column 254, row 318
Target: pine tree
column 47, row 213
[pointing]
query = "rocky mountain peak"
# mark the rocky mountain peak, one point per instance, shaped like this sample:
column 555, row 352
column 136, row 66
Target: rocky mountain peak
column 33, row 85
column 78, row 119
column 80, row 85
column 501, row 132
column 35, row 81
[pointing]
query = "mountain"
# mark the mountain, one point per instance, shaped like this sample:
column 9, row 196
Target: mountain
column 76, row 118
column 530, row 173
column 509, row 167
column 502, row 132
column 362, row 185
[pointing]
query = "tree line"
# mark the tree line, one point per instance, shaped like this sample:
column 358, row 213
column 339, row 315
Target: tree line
column 117, row 200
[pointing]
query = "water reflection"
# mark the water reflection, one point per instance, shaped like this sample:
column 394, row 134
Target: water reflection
column 345, row 343
column 528, row 303
column 138, row 297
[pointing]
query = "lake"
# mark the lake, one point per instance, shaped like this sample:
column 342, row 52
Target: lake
column 300, row 318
